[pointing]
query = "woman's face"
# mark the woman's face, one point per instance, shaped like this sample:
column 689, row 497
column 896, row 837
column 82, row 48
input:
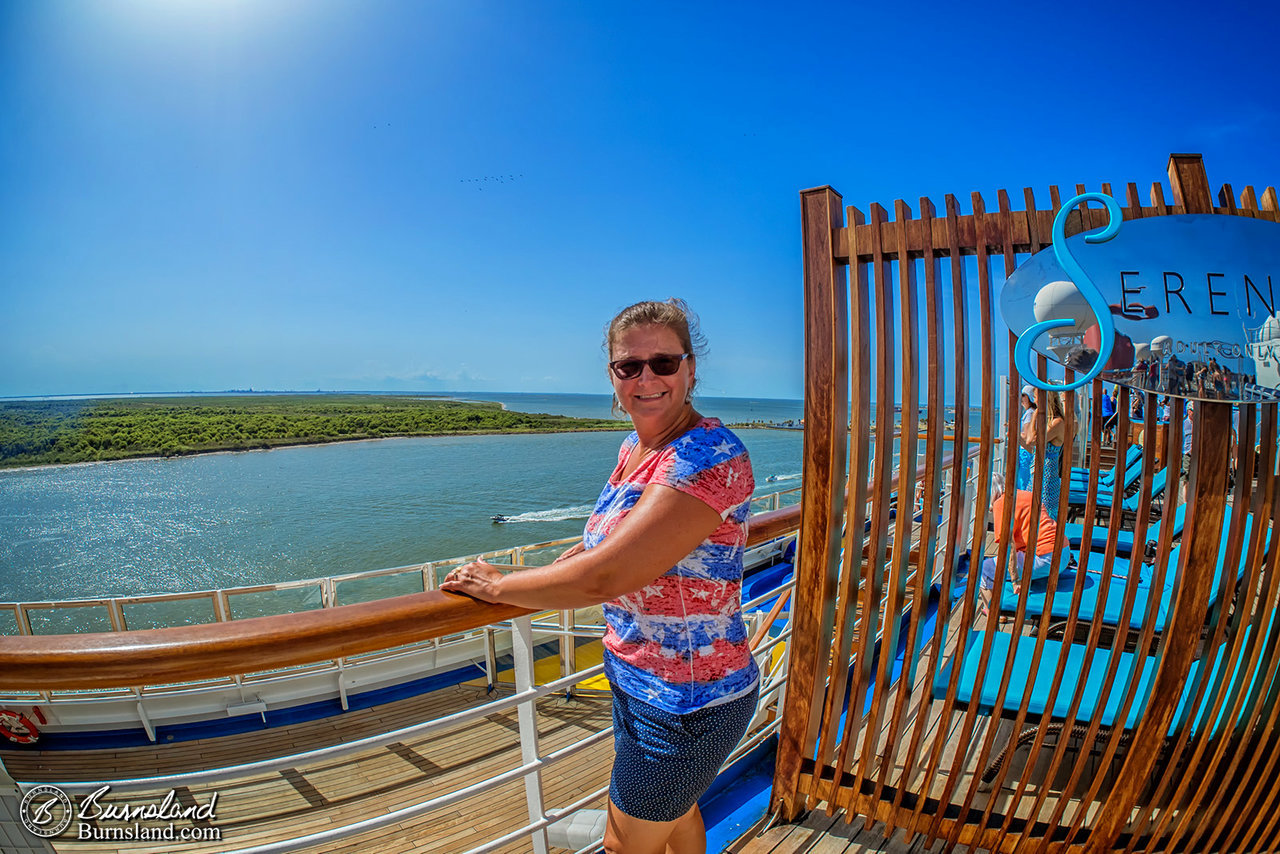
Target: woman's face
column 649, row 396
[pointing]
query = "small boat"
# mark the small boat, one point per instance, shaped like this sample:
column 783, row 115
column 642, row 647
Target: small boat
column 498, row 518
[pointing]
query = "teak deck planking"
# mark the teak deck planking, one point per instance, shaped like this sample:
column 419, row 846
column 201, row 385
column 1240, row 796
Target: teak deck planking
column 283, row 805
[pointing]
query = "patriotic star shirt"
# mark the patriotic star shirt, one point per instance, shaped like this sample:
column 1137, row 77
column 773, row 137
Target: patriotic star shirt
column 680, row 643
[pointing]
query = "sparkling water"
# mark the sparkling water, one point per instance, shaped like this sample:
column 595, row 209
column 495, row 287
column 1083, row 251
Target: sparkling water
column 233, row 519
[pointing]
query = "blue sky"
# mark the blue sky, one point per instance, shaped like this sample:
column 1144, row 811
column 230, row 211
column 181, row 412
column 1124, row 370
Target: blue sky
column 214, row 194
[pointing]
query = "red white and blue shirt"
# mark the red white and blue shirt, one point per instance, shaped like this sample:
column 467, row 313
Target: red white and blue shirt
column 680, row 643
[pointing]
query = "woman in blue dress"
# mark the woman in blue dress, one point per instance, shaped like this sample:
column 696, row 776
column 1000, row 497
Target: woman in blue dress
column 1055, row 438
column 1026, row 453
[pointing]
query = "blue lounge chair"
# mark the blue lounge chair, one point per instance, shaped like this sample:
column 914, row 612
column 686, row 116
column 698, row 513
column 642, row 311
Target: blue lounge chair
column 1125, row 572
column 1130, row 507
column 1081, row 474
column 1106, row 481
column 1084, row 675
column 1124, row 539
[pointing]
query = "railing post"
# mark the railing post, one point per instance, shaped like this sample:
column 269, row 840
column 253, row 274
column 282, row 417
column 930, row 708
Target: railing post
column 522, row 653
column 568, row 646
column 490, row 659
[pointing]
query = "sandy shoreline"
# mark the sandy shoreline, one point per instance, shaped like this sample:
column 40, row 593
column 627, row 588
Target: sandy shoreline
column 286, row 443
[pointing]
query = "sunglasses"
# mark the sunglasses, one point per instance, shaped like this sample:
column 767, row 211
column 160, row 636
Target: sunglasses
column 662, row 366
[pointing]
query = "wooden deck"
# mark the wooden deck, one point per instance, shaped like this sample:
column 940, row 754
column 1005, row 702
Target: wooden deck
column 819, row 833
column 307, row 799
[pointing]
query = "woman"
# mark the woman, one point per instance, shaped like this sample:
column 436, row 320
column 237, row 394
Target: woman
column 663, row 550
column 1026, row 453
column 1055, row 438
column 1137, row 418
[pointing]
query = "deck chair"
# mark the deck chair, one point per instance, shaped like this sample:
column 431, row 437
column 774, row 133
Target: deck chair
column 1074, row 533
column 1089, row 574
column 1084, row 675
column 1130, row 507
column 1080, row 475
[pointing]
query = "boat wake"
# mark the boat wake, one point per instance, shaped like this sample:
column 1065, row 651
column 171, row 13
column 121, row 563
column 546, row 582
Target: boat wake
column 558, row 514
column 773, row 478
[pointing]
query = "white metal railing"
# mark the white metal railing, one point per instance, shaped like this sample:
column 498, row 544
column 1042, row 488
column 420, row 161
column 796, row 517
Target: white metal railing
column 532, row 763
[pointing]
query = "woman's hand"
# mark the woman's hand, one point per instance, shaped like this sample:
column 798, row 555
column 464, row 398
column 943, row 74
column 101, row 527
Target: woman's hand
column 479, row 580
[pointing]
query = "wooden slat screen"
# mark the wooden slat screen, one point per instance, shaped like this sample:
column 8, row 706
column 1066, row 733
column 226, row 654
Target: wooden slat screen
column 900, row 316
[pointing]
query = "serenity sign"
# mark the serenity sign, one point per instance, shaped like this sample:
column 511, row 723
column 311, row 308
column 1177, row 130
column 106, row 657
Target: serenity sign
column 1184, row 305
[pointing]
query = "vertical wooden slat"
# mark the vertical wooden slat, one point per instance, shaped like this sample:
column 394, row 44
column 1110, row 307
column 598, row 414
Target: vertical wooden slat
column 928, row 543
column 1190, row 183
column 900, row 567
column 1270, row 205
column 960, row 318
column 1227, row 199
column 1020, row 716
column 873, row 555
column 851, row 577
column 983, row 498
column 822, row 502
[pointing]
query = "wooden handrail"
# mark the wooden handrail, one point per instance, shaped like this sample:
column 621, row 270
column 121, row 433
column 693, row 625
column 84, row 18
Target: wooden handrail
column 211, row 650
column 189, row 653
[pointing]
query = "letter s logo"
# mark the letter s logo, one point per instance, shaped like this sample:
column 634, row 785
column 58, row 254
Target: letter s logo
column 1097, row 303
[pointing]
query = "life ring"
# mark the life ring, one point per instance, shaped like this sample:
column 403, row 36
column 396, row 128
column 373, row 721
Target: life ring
column 18, row 728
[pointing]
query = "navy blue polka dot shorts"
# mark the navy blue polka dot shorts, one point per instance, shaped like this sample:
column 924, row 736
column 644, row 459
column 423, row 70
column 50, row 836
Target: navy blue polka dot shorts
column 663, row 762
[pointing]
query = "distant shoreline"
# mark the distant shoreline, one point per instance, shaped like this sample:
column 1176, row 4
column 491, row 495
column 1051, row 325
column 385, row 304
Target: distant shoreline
column 316, row 442
column 40, row 434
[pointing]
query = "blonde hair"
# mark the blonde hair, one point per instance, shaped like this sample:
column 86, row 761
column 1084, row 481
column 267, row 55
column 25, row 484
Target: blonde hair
column 673, row 313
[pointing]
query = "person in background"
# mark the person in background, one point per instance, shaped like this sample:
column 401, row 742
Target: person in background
column 1055, row 437
column 1187, row 423
column 663, row 551
column 1019, row 503
column 1026, row 455
column 1108, row 417
column 1137, row 414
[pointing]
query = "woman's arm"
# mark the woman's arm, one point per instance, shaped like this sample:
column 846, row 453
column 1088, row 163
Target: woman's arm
column 664, row 526
column 1028, row 436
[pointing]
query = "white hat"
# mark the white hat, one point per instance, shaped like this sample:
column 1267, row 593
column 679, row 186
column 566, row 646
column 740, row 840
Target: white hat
column 1029, row 391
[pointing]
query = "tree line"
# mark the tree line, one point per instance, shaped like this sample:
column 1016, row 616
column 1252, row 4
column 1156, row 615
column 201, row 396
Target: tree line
column 66, row 431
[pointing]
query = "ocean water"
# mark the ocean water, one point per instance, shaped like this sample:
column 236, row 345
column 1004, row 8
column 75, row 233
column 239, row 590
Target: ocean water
column 232, row 519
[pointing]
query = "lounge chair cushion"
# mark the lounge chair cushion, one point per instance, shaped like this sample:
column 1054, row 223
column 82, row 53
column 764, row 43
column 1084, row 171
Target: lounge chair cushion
column 1087, row 675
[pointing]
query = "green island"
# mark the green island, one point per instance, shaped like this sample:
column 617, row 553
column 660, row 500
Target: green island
column 72, row 431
